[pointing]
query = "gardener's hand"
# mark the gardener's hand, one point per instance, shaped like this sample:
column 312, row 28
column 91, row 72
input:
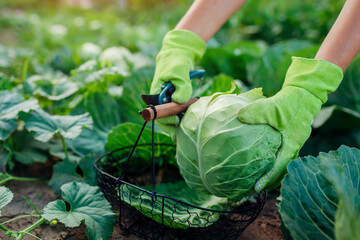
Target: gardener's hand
column 180, row 49
column 292, row 109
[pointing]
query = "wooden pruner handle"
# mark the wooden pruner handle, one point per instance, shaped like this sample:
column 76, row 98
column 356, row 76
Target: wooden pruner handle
column 166, row 110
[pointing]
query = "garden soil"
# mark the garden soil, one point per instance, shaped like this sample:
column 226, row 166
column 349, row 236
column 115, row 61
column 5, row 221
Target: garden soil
column 266, row 226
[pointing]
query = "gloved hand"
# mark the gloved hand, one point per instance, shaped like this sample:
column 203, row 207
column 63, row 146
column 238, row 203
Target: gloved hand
column 292, row 109
column 180, row 50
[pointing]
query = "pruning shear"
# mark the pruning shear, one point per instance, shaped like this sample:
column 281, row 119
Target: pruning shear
column 162, row 102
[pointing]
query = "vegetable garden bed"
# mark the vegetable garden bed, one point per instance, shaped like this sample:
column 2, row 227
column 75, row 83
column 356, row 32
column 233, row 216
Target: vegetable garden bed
column 70, row 85
column 266, row 226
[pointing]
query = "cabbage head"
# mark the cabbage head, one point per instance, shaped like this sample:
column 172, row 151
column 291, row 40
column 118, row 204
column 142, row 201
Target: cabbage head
column 217, row 153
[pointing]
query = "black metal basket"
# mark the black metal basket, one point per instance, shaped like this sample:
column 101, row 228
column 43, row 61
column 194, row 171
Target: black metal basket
column 154, row 223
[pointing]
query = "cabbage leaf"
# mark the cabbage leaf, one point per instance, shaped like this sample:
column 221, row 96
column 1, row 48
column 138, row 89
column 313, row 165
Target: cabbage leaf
column 321, row 196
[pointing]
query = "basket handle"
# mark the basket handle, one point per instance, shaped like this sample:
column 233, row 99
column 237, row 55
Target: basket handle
column 166, row 110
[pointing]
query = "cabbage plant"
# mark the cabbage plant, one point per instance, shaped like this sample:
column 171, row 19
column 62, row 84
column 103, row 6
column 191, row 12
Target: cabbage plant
column 217, row 153
column 320, row 196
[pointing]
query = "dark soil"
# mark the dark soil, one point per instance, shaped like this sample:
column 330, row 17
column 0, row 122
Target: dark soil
column 266, row 226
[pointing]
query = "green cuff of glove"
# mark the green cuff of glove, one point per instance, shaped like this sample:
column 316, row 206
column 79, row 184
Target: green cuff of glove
column 184, row 40
column 317, row 76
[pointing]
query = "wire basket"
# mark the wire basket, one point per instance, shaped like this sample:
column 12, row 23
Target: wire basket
column 161, row 220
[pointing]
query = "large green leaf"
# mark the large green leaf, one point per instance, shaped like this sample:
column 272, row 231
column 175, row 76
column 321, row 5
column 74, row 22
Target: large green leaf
column 89, row 141
column 309, row 201
column 230, row 59
column 345, row 113
column 95, row 71
column 6, row 82
column 348, row 94
column 269, row 71
column 176, row 215
column 32, row 153
column 346, row 182
column 309, row 198
column 105, row 113
column 88, row 205
column 140, row 60
column 117, row 56
column 27, row 150
column 104, row 110
column 6, row 55
column 89, row 50
column 122, row 57
column 5, row 197
column 220, row 83
column 56, row 149
column 125, row 135
column 337, row 117
column 347, row 224
column 107, row 74
column 11, row 103
column 324, row 140
column 45, row 126
column 64, row 60
column 131, row 103
column 6, row 127
column 67, row 171
column 51, row 87
column 12, row 58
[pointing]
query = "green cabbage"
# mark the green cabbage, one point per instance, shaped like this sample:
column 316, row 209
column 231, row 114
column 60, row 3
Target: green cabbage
column 216, row 153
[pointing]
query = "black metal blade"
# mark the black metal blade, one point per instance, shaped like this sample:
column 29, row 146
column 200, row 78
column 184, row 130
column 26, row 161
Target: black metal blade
column 150, row 99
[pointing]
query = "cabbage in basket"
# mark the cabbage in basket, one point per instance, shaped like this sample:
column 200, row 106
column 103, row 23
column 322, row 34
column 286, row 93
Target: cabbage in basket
column 217, row 153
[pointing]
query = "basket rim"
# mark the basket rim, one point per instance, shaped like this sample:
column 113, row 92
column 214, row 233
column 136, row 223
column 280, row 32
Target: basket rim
column 260, row 197
column 119, row 149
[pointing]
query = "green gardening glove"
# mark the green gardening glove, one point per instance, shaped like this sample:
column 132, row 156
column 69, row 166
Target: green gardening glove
column 180, row 50
column 292, row 109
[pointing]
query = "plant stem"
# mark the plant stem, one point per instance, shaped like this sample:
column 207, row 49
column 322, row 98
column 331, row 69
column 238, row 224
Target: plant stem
column 33, row 205
column 26, row 179
column 64, row 146
column 32, row 227
column 10, row 177
column 4, row 228
column 32, row 235
column 22, row 216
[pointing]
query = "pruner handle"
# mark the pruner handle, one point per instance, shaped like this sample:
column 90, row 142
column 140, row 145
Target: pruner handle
column 166, row 110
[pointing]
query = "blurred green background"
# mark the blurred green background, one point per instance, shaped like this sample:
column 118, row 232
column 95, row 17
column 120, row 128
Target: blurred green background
column 139, row 25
